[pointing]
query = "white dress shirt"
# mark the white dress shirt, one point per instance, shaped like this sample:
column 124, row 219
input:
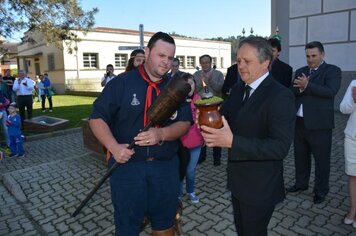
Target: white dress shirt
column 254, row 85
column 21, row 89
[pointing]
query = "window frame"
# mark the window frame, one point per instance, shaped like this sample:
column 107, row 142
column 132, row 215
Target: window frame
column 118, row 63
column 51, row 64
column 90, row 60
column 189, row 62
column 181, row 61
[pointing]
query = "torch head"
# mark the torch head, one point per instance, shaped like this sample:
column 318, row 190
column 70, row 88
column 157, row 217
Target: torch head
column 168, row 101
column 206, row 94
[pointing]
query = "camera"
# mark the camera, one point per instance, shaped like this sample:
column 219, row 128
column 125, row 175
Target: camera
column 108, row 73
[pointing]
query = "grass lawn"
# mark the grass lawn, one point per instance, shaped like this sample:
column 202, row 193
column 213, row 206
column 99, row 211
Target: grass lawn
column 72, row 108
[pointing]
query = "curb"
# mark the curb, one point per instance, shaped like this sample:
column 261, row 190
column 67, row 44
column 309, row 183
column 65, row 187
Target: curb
column 14, row 188
column 53, row 134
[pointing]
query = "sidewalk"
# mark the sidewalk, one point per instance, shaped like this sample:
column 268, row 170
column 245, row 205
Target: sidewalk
column 58, row 172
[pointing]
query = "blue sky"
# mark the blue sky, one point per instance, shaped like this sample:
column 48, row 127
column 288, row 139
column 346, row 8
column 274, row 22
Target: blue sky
column 195, row 18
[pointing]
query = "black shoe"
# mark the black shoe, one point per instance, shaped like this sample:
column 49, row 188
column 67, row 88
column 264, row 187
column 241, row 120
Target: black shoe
column 318, row 198
column 217, row 162
column 294, row 189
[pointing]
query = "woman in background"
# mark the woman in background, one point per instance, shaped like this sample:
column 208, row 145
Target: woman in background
column 348, row 106
column 137, row 57
column 193, row 140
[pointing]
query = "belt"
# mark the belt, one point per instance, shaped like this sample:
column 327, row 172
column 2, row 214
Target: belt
column 157, row 159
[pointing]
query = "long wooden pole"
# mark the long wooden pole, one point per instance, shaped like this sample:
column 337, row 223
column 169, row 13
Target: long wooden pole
column 107, row 175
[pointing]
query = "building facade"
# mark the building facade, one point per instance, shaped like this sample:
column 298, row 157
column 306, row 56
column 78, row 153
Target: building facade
column 82, row 70
column 332, row 22
column 8, row 57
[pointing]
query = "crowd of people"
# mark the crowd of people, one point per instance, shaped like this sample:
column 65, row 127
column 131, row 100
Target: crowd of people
column 265, row 111
column 19, row 94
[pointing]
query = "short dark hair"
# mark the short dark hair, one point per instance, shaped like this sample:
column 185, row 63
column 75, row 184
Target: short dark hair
column 275, row 43
column 205, row 55
column 176, row 59
column 109, row 65
column 315, row 44
column 160, row 36
column 137, row 51
column 264, row 49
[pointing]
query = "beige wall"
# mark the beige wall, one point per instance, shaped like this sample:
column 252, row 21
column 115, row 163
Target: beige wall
column 70, row 73
column 107, row 44
column 332, row 22
column 32, row 53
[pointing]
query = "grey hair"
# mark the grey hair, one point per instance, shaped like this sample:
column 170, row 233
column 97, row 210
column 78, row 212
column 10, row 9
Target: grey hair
column 22, row 71
column 264, row 49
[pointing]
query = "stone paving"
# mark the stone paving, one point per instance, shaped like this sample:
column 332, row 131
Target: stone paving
column 39, row 192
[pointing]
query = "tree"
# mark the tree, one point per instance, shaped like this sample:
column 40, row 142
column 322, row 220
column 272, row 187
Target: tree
column 234, row 43
column 56, row 20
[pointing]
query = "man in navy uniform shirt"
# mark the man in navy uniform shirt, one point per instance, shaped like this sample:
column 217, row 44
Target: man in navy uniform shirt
column 147, row 182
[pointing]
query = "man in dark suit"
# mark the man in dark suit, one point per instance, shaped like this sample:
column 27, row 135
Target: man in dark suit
column 175, row 69
column 281, row 71
column 314, row 87
column 232, row 77
column 258, row 131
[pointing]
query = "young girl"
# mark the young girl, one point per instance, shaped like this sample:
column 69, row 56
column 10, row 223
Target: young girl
column 193, row 140
column 14, row 128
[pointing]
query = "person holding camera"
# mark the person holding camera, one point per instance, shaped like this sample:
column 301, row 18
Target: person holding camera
column 23, row 87
column 109, row 75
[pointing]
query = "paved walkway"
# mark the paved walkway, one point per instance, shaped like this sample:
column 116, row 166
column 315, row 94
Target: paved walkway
column 38, row 194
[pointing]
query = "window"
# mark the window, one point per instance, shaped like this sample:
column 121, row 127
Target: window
column 221, row 62
column 181, row 61
column 90, row 60
column 50, row 61
column 120, row 60
column 190, row 62
column 213, row 61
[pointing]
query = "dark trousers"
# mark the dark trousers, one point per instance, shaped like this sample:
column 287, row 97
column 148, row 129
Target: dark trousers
column 44, row 102
column 25, row 101
column 216, row 152
column 251, row 220
column 16, row 144
column 318, row 143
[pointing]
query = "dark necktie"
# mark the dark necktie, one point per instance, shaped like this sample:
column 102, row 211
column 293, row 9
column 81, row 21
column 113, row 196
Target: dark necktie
column 312, row 71
column 247, row 94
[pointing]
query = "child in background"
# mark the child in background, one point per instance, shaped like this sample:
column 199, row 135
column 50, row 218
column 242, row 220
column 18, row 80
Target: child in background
column 14, row 129
column 193, row 140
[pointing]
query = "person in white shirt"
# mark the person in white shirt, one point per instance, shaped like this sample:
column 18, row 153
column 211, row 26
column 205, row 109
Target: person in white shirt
column 23, row 87
column 109, row 75
column 348, row 106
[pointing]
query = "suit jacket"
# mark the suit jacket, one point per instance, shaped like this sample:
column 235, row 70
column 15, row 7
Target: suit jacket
column 179, row 73
column 318, row 96
column 262, row 134
column 232, row 77
column 282, row 72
